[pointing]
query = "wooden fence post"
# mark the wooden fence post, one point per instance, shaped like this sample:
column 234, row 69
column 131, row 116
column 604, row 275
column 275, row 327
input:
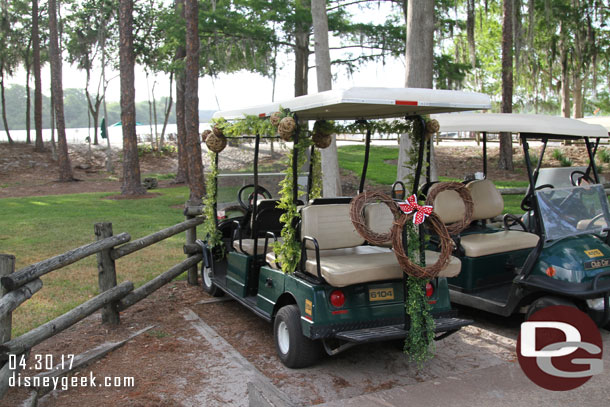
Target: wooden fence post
column 106, row 273
column 7, row 266
column 191, row 236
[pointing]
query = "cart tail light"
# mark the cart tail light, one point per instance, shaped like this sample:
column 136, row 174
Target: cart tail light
column 429, row 290
column 337, row 298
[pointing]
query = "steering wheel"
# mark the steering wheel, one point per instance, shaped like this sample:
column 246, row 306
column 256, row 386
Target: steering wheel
column 511, row 220
column 526, row 203
column 578, row 181
column 247, row 203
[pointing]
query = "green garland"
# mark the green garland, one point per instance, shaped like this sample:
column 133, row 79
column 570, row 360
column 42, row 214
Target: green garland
column 377, row 127
column 213, row 235
column 316, row 176
column 419, row 344
column 288, row 252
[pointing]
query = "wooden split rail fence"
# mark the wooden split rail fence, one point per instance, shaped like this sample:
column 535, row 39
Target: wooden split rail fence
column 18, row 286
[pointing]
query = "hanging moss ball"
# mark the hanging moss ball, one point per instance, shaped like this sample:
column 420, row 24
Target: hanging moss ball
column 216, row 141
column 275, row 118
column 217, row 131
column 205, row 135
column 432, row 126
column 321, row 140
column 323, row 127
column 287, row 125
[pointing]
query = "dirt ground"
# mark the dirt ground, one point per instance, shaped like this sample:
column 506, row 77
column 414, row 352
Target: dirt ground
column 175, row 363
column 24, row 172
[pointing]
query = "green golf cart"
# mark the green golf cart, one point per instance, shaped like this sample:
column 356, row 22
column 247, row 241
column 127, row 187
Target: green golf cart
column 557, row 253
column 344, row 291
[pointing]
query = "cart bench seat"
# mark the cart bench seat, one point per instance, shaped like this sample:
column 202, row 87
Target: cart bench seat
column 247, row 245
column 484, row 244
column 362, row 264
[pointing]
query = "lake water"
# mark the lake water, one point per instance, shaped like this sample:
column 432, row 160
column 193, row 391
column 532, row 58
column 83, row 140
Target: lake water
column 79, row 135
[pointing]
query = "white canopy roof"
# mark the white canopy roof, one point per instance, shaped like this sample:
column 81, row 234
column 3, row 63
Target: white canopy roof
column 518, row 123
column 601, row 120
column 368, row 103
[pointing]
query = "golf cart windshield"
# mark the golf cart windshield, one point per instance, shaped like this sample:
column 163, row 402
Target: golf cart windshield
column 573, row 211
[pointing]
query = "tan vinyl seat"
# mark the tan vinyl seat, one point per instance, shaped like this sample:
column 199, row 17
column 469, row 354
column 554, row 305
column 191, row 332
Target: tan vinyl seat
column 379, row 218
column 248, row 245
column 343, row 258
column 488, row 203
column 448, row 205
column 362, row 264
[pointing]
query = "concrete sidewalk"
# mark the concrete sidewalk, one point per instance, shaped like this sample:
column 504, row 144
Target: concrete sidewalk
column 501, row 385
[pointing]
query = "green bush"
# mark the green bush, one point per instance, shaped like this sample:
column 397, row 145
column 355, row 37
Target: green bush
column 604, row 155
column 557, row 154
column 565, row 162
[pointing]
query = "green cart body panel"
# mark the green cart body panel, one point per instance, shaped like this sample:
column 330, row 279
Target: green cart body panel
column 320, row 319
column 488, row 271
column 576, row 259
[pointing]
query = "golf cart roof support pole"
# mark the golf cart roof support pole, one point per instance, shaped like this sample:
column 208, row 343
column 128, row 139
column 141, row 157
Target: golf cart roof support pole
column 257, row 141
column 485, row 154
column 367, row 150
column 532, row 181
column 591, row 159
column 216, row 190
column 310, row 175
column 295, row 162
column 429, row 159
column 420, row 156
column 545, row 141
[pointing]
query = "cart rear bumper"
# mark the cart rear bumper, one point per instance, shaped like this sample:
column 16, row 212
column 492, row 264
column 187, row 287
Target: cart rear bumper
column 384, row 333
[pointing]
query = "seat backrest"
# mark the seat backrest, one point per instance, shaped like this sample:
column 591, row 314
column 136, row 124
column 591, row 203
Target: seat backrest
column 487, row 200
column 268, row 217
column 448, row 205
column 330, row 225
column 379, row 218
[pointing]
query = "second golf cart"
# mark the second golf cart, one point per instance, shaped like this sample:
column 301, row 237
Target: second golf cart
column 557, row 253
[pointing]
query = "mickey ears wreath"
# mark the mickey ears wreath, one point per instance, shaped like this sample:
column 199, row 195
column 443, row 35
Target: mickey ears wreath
column 395, row 235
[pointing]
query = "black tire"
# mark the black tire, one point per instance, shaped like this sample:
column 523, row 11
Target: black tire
column 207, row 284
column 547, row 301
column 294, row 349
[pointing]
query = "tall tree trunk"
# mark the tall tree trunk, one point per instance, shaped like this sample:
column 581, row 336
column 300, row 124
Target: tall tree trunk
column 191, row 102
column 578, row 97
column 331, row 178
column 4, row 121
column 182, row 172
column 470, row 23
column 65, row 168
column 154, row 106
column 52, row 125
column 39, row 145
column 152, row 138
column 419, row 60
column 565, row 73
column 28, row 125
column 506, row 139
column 301, row 60
column 131, row 165
column 168, row 108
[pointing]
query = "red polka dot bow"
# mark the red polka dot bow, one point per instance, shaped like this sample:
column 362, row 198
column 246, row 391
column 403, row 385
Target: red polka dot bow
column 421, row 211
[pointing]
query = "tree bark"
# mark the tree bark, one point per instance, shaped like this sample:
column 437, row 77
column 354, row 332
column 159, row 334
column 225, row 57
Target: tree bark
column 39, row 145
column 182, row 172
column 419, row 60
column 301, row 60
column 4, row 121
column 28, row 71
column 578, row 97
column 65, row 167
column 565, row 74
column 505, row 161
column 131, row 164
column 168, row 108
column 191, row 103
column 331, row 178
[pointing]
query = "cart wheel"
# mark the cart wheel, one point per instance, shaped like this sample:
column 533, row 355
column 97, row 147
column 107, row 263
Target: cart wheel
column 547, row 301
column 294, row 349
column 208, row 286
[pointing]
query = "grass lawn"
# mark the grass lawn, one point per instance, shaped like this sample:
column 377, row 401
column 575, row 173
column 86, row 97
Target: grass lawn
column 36, row 228
column 383, row 173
